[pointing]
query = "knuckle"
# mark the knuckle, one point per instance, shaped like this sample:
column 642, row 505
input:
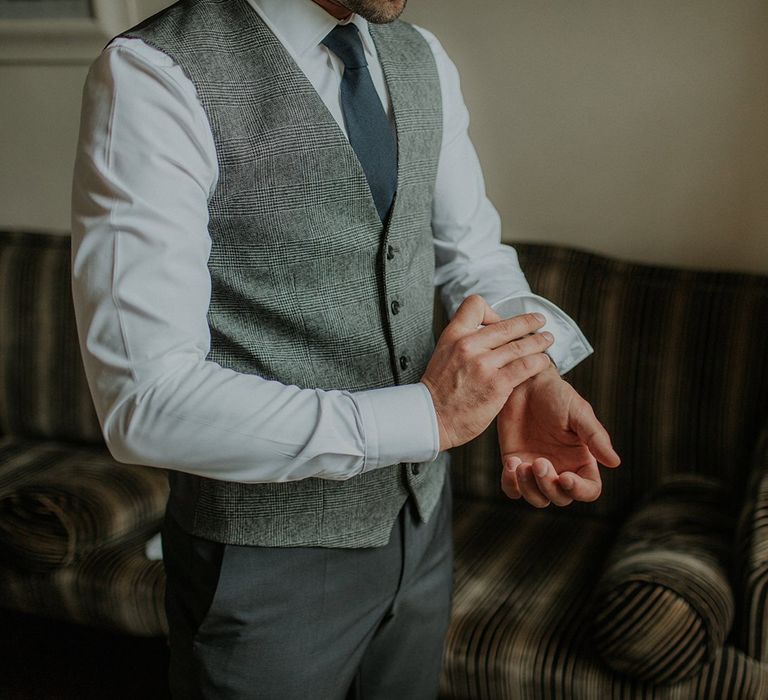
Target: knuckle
column 450, row 332
column 516, row 348
column 474, row 300
column 529, row 363
column 484, row 369
column 463, row 348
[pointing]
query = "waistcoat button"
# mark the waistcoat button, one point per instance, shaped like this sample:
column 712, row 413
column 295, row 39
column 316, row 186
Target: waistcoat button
column 390, row 252
column 404, row 361
column 415, row 469
column 395, row 306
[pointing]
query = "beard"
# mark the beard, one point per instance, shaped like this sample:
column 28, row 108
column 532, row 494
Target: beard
column 376, row 11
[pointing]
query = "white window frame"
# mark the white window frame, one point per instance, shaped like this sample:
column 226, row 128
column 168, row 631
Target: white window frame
column 65, row 40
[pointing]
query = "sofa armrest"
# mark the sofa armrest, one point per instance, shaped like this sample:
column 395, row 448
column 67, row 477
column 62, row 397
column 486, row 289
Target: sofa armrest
column 664, row 604
column 59, row 502
column 751, row 550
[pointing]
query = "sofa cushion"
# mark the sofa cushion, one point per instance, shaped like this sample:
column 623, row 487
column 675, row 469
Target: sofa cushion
column 59, row 502
column 43, row 391
column 520, row 624
column 112, row 587
column 664, row 605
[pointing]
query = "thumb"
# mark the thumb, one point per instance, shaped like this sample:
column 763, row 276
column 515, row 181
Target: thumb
column 473, row 312
column 592, row 433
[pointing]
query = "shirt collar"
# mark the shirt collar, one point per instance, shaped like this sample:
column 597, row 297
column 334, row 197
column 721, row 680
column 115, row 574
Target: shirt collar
column 302, row 24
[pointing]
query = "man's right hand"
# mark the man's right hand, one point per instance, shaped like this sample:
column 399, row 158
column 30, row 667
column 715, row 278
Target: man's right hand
column 473, row 370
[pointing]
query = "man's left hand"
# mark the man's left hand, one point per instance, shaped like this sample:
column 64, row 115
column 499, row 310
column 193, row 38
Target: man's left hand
column 551, row 442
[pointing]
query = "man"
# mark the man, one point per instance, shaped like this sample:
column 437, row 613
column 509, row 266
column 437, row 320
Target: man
column 265, row 194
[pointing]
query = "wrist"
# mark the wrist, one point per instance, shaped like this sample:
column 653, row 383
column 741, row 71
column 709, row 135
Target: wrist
column 548, row 374
column 444, row 441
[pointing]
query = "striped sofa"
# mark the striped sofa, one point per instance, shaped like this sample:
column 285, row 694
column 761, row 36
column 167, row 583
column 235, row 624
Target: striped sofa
column 679, row 378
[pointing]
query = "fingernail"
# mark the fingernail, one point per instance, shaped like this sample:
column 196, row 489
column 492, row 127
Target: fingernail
column 513, row 463
column 548, row 336
column 540, row 317
column 540, row 469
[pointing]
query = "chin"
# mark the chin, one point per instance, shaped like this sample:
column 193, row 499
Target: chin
column 377, row 11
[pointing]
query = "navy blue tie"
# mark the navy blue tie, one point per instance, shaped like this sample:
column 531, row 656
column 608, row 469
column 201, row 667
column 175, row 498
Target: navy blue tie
column 368, row 127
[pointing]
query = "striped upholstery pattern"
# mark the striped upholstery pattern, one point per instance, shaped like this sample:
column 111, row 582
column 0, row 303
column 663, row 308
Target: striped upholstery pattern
column 675, row 396
column 113, row 587
column 752, row 555
column 664, row 604
column 43, row 391
column 679, row 375
column 59, row 502
column 523, row 600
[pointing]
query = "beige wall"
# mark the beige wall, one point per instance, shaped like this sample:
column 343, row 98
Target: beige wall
column 638, row 129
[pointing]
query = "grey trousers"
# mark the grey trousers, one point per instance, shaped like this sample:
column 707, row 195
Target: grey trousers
column 310, row 622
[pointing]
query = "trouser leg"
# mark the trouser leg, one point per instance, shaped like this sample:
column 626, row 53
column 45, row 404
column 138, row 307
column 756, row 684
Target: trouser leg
column 272, row 623
column 404, row 657
column 283, row 623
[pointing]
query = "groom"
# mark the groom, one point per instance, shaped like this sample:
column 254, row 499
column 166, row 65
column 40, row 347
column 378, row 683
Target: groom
column 266, row 194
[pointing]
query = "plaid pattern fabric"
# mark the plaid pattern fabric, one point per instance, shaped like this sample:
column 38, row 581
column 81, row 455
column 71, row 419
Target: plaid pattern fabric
column 664, row 605
column 752, row 558
column 303, row 282
column 59, row 502
column 678, row 377
column 43, row 391
column 523, row 601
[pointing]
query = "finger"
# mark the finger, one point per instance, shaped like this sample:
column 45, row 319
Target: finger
column 501, row 333
column 531, row 344
column 580, row 488
column 528, row 488
column 591, row 431
column 517, row 371
column 473, row 312
column 491, row 317
column 547, row 482
column 509, row 477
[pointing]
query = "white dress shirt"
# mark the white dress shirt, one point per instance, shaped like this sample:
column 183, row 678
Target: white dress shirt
column 146, row 167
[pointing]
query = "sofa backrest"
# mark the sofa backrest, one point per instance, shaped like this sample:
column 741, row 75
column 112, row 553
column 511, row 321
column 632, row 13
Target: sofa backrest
column 679, row 375
column 43, row 391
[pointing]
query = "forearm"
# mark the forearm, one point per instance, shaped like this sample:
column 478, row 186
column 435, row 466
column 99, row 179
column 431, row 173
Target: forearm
column 208, row 420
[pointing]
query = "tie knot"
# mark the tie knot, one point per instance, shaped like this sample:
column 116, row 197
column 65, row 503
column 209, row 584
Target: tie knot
column 344, row 41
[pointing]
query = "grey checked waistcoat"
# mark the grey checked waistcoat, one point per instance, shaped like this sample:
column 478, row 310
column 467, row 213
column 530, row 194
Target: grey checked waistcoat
column 304, row 274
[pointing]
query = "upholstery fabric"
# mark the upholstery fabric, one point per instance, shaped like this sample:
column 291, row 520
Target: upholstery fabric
column 678, row 377
column 664, row 605
column 43, row 391
column 522, row 605
column 113, row 587
column 752, row 558
column 59, row 502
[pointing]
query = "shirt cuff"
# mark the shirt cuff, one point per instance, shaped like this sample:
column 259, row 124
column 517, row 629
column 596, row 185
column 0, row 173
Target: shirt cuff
column 570, row 346
column 399, row 425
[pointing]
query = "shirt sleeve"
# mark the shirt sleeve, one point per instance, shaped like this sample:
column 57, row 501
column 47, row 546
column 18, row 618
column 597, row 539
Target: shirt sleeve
column 469, row 255
column 145, row 168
